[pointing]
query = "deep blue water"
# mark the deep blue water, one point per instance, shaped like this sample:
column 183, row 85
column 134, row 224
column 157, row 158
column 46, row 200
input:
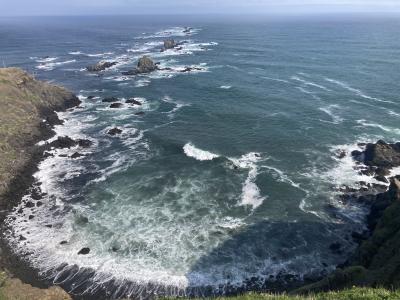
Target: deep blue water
column 231, row 172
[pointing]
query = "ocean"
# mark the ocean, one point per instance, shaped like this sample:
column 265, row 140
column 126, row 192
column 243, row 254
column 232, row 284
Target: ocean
column 226, row 177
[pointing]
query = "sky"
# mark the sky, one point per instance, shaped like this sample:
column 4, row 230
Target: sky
column 132, row 7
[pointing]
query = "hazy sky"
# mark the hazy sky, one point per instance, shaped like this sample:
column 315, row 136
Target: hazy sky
column 85, row 7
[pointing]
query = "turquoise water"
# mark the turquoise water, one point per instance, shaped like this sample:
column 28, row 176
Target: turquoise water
column 229, row 177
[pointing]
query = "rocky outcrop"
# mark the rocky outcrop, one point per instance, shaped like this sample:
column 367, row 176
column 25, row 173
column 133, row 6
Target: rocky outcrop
column 169, row 44
column 145, row 65
column 63, row 142
column 116, row 105
column 377, row 259
column 110, row 99
column 101, row 66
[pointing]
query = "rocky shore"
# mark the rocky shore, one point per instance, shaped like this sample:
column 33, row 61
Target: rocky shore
column 27, row 116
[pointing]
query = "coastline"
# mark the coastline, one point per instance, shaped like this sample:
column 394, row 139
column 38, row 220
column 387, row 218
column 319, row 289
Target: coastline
column 22, row 180
column 46, row 100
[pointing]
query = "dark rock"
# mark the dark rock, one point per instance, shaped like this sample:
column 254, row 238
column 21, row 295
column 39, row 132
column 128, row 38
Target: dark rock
column 359, row 237
column 187, row 30
column 63, row 242
column 381, row 178
column 133, row 101
column 139, row 113
column 101, row 66
column 189, row 69
column 110, row 99
column 22, row 238
column 382, row 155
column 63, row 142
column 84, row 251
column 116, row 105
column 84, row 143
column 29, row 204
column 114, row 131
column 76, row 155
column 49, row 226
column 31, row 217
column 356, row 153
column 145, row 65
column 341, row 154
column 39, row 203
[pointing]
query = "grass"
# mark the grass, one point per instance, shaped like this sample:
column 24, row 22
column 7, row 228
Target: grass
column 354, row 293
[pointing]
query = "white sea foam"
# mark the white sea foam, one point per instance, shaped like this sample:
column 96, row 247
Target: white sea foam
column 309, row 83
column 196, row 153
column 251, row 194
column 329, row 110
column 355, row 91
column 170, row 32
column 382, row 127
column 52, row 65
column 225, row 87
column 46, row 60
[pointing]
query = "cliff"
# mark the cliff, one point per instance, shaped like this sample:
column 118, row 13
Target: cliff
column 26, row 117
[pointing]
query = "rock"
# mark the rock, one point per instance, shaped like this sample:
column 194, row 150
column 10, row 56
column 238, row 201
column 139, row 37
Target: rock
column 189, row 69
column 29, row 204
column 341, row 154
column 63, row 242
column 90, row 97
column 110, row 99
column 114, row 131
column 84, row 143
column 145, row 65
column 22, row 238
column 31, row 217
column 139, row 113
column 101, row 66
column 356, row 153
column 382, row 155
column 76, row 155
column 116, row 105
column 169, row 44
column 39, row 203
column 63, row 142
column 381, row 178
column 82, row 220
column 84, row 251
column 133, row 101
column 187, row 30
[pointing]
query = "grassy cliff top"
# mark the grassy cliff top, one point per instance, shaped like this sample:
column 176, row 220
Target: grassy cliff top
column 22, row 101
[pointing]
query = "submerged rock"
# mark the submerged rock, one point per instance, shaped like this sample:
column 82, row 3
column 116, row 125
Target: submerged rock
column 133, row 101
column 101, row 66
column 114, row 131
column 110, row 99
column 76, row 155
column 84, row 251
column 116, row 105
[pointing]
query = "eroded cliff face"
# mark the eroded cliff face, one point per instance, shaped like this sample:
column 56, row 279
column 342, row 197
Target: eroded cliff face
column 27, row 116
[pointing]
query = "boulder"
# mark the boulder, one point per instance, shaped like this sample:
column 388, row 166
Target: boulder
column 76, row 155
column 63, row 142
column 101, row 66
